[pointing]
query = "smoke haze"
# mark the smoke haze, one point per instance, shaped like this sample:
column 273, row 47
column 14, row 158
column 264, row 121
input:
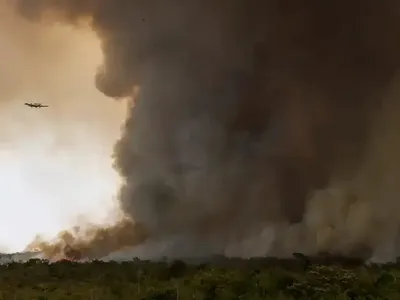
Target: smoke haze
column 260, row 126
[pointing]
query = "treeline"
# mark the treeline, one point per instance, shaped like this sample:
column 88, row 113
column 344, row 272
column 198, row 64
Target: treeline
column 302, row 277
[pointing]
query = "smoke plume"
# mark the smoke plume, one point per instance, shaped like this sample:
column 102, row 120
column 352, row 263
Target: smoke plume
column 260, row 126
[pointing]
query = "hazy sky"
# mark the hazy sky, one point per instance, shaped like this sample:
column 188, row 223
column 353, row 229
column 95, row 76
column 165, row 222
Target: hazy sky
column 55, row 163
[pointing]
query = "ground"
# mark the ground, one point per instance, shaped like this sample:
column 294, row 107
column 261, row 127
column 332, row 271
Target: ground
column 262, row 278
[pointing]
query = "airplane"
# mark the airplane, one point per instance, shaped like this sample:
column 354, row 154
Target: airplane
column 35, row 105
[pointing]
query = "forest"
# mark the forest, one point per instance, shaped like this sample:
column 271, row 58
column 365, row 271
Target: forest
column 300, row 277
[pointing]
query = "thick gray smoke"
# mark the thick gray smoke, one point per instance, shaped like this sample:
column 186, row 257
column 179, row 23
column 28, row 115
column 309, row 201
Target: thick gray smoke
column 255, row 119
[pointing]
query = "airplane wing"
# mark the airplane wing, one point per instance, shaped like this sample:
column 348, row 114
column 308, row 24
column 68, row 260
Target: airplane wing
column 28, row 104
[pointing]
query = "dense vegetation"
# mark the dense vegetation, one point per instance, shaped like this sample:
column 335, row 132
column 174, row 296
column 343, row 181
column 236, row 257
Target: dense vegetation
column 253, row 279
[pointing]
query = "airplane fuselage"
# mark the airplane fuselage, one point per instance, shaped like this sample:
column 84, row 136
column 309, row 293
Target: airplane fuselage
column 35, row 105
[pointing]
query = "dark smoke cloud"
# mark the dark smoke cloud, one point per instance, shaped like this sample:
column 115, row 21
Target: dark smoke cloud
column 245, row 107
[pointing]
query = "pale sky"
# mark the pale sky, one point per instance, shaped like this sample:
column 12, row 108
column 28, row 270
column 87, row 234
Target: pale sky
column 55, row 163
